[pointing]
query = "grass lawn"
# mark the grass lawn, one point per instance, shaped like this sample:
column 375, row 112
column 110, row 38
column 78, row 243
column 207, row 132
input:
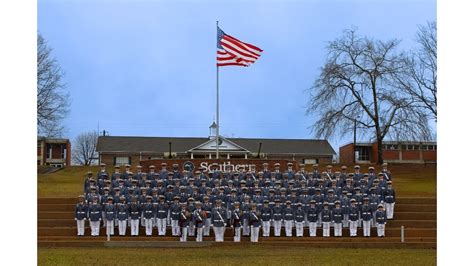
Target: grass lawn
column 409, row 180
column 235, row 256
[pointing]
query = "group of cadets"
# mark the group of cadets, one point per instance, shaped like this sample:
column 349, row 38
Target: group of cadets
column 193, row 203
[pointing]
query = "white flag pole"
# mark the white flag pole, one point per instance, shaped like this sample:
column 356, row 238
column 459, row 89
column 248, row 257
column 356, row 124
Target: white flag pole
column 217, row 105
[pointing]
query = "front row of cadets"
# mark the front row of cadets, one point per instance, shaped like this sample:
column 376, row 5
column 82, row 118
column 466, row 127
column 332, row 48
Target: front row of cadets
column 199, row 219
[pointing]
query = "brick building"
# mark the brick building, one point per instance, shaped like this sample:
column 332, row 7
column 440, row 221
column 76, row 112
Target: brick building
column 131, row 150
column 393, row 151
column 53, row 152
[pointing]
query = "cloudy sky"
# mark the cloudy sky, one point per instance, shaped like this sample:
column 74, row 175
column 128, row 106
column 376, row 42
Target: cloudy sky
column 147, row 68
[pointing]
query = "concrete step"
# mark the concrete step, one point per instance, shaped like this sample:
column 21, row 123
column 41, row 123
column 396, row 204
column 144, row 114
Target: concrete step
column 389, row 232
column 414, row 208
column 416, row 200
column 422, row 216
column 390, row 224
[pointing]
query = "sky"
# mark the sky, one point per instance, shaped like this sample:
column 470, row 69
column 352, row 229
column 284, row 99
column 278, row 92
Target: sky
column 147, row 68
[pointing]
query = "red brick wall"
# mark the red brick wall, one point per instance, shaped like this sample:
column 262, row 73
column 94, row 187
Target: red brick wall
column 411, row 155
column 346, row 153
column 429, row 156
column 390, row 154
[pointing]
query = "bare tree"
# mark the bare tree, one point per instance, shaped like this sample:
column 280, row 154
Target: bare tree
column 357, row 86
column 52, row 100
column 84, row 149
column 419, row 79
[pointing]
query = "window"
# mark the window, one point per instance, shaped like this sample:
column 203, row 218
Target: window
column 363, row 153
column 416, row 147
column 63, row 151
column 49, row 151
column 122, row 160
column 309, row 161
column 390, row 147
column 409, row 147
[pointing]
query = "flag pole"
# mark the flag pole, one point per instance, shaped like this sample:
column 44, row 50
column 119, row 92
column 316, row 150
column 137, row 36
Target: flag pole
column 217, row 105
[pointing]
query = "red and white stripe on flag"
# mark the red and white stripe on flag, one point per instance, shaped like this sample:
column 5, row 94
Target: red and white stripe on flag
column 233, row 52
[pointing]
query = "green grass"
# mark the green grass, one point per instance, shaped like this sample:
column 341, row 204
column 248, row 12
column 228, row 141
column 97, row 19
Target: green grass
column 228, row 255
column 409, row 181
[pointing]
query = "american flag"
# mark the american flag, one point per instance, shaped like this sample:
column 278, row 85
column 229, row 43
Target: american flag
column 233, row 52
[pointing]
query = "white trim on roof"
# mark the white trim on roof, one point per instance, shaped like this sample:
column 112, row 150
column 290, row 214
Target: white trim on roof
column 225, row 146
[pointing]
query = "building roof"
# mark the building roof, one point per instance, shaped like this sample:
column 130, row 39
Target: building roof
column 183, row 144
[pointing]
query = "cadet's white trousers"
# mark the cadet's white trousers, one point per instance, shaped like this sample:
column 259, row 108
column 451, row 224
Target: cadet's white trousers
column 184, row 234
column 389, row 207
column 174, row 228
column 381, row 229
column 277, row 228
column 353, row 228
column 299, row 228
column 337, row 229
column 245, row 227
column 149, row 226
column 326, row 229
column 289, row 227
column 237, row 232
column 95, row 228
column 134, row 227
column 366, row 225
column 254, row 231
column 266, row 228
column 199, row 234
column 218, row 233
column 122, row 225
column 345, row 221
column 207, row 227
column 312, row 228
column 80, row 227
column 161, row 225
column 109, row 229
column 191, row 229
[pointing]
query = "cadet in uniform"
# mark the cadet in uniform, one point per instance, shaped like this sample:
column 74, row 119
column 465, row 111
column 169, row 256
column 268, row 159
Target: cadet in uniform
column 199, row 216
column 389, row 197
column 184, row 218
column 122, row 216
column 381, row 217
column 81, row 215
column 161, row 215
column 218, row 221
column 312, row 217
column 175, row 210
column 353, row 218
column 235, row 221
column 337, row 219
column 207, row 207
column 299, row 219
column 94, row 215
column 326, row 219
column 277, row 216
column 366, row 217
column 266, row 212
column 289, row 217
column 254, row 221
column 110, row 216
column 134, row 211
column 148, row 211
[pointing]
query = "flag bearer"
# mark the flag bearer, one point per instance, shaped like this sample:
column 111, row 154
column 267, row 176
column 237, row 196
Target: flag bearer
column 288, row 216
column 266, row 218
column 337, row 218
column 312, row 217
column 135, row 213
column 381, row 217
column 218, row 221
column 326, row 219
column 81, row 215
column 254, row 221
column 353, row 218
column 122, row 216
column 148, row 211
column 366, row 214
column 199, row 217
column 299, row 219
column 95, row 214
column 235, row 221
column 110, row 216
